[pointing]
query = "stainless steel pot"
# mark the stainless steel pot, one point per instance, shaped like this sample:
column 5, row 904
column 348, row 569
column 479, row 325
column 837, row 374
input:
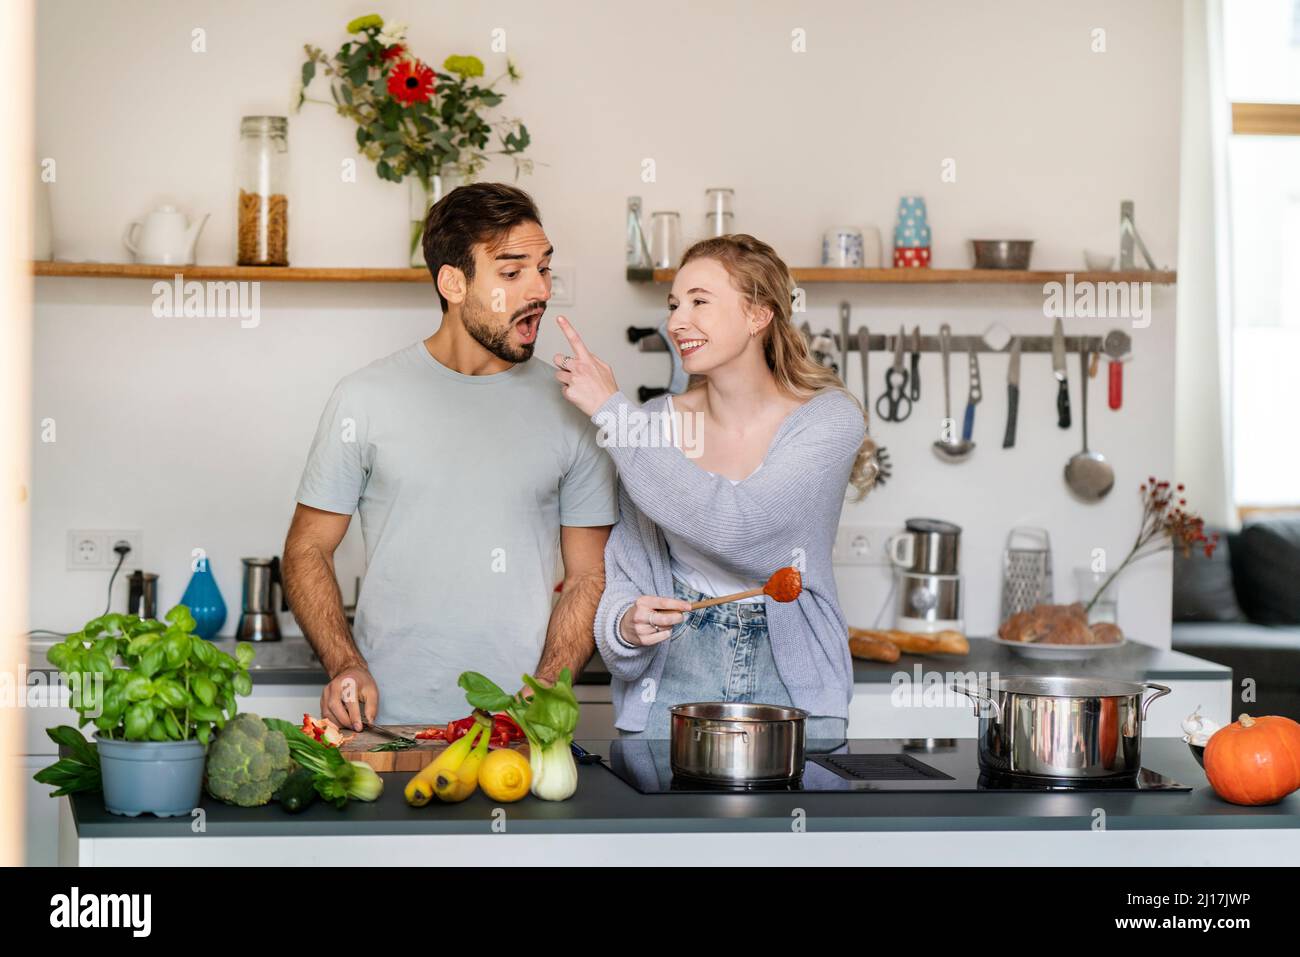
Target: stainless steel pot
column 1061, row 727
column 733, row 743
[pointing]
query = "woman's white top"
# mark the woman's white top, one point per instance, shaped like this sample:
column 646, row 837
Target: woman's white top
column 693, row 567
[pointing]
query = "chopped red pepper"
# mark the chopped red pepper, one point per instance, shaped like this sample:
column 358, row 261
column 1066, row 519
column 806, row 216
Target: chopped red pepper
column 504, row 730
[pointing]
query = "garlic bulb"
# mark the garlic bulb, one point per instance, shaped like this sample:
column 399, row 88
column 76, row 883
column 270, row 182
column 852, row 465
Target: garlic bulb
column 1198, row 729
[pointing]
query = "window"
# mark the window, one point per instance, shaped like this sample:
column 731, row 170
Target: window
column 1261, row 55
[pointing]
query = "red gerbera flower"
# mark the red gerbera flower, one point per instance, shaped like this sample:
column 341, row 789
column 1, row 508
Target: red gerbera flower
column 410, row 82
column 393, row 52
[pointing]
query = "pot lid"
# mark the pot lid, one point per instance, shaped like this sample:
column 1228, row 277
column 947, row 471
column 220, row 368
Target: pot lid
column 1059, row 686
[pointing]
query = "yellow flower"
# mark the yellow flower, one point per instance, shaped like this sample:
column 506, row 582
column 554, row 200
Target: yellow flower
column 463, row 65
column 365, row 23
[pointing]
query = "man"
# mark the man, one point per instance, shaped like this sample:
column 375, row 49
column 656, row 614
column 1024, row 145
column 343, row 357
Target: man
column 467, row 468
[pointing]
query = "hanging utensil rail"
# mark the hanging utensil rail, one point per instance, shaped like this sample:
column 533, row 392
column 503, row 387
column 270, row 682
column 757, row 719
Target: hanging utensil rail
column 885, row 343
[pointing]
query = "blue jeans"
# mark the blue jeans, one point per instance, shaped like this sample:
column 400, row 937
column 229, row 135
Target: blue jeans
column 723, row 653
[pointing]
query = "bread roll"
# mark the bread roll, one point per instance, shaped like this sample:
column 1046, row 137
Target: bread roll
column 872, row 649
column 939, row 643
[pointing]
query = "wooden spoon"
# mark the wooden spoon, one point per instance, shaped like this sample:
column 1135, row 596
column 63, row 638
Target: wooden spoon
column 784, row 585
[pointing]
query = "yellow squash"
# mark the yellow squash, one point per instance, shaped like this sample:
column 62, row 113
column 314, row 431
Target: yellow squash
column 420, row 789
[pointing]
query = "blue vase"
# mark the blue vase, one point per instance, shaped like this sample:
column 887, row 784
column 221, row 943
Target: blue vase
column 203, row 599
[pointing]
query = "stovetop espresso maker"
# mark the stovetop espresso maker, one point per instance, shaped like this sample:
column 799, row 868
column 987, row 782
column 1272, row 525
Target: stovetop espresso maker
column 258, row 620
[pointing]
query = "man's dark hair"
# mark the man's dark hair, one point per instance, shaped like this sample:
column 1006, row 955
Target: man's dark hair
column 468, row 215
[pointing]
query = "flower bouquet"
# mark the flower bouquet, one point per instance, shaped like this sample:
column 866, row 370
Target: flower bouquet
column 1166, row 524
column 413, row 120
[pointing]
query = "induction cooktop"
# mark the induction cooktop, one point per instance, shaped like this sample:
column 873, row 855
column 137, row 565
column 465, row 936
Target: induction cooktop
column 929, row 764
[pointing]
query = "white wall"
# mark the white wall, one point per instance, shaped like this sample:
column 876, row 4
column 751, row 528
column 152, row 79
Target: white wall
column 195, row 430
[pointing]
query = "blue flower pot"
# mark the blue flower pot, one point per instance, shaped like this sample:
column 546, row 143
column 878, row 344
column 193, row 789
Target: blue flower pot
column 203, row 599
column 164, row 778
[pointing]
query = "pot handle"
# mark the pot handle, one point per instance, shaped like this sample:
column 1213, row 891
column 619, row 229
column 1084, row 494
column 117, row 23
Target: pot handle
column 1161, row 691
column 978, row 697
column 744, row 735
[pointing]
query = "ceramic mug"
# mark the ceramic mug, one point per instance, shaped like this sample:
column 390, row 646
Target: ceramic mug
column 842, row 247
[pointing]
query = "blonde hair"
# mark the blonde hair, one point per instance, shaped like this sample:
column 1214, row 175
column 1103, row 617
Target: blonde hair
column 760, row 275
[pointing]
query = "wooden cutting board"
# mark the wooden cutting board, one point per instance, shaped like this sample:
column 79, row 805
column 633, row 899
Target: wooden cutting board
column 411, row 759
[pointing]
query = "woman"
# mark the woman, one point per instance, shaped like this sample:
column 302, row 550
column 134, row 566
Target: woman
column 779, row 440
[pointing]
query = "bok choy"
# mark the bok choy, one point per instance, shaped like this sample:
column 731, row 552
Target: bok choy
column 548, row 718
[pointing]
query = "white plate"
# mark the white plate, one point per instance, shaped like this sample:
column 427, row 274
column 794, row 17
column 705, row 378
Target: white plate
column 1046, row 652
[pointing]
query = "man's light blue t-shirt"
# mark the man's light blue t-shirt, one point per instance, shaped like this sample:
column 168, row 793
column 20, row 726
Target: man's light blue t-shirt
column 462, row 483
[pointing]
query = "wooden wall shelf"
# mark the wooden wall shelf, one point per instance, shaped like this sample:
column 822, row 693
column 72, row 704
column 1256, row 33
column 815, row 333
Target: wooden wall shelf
column 238, row 273
column 1029, row 277
column 814, row 274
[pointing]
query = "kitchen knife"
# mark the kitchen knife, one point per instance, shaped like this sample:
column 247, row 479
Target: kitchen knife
column 1013, row 393
column 1062, row 378
column 385, row 733
column 973, row 397
column 382, row 732
column 844, row 343
column 914, row 383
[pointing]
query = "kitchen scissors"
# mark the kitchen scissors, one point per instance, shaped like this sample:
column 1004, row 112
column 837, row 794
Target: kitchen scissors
column 895, row 405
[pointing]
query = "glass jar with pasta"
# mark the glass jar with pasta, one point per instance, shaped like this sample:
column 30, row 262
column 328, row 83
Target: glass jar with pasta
column 262, row 225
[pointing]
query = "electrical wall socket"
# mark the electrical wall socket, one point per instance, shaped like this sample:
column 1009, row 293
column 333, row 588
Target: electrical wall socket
column 92, row 550
column 862, row 544
column 564, row 288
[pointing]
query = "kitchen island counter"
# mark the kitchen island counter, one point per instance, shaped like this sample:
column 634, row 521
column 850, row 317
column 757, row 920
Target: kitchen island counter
column 609, row 822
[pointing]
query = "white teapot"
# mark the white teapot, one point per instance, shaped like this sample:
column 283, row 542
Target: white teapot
column 165, row 237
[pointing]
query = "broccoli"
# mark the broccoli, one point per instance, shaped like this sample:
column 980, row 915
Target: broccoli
column 247, row 762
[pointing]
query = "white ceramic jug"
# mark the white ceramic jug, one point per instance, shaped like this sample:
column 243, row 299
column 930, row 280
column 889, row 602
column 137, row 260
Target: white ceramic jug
column 165, row 237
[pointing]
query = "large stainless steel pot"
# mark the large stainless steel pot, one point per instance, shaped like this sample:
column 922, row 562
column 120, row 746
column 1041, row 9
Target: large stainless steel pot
column 733, row 743
column 1061, row 727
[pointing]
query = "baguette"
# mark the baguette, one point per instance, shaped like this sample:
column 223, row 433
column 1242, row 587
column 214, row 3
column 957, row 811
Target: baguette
column 872, row 649
column 913, row 643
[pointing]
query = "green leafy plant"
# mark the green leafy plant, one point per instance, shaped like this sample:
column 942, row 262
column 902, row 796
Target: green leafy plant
column 413, row 120
column 547, row 717
column 336, row 778
column 79, row 771
column 170, row 684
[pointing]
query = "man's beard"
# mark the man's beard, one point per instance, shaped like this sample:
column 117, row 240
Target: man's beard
column 496, row 339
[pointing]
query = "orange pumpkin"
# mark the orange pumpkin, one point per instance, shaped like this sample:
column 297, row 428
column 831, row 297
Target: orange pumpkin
column 1254, row 760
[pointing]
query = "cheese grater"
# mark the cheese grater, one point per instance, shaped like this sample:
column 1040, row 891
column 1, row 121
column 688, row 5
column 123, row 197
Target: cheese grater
column 1026, row 570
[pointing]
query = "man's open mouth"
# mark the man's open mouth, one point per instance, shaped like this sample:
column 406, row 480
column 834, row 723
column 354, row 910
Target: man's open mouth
column 528, row 324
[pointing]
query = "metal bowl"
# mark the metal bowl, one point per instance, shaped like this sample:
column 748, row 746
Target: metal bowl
column 1002, row 253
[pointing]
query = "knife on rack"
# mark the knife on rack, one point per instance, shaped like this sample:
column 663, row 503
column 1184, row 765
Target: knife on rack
column 1062, row 377
column 914, row 380
column 1013, row 393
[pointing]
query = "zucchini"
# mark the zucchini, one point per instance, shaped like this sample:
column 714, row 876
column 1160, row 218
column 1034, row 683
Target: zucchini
column 298, row 790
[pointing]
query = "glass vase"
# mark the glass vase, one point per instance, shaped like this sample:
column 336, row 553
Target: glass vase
column 1087, row 584
column 203, row 598
column 423, row 194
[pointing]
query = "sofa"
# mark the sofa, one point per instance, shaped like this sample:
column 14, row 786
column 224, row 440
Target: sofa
column 1241, row 608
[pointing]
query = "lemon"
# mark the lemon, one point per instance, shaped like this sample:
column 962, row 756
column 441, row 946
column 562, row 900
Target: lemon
column 505, row 775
